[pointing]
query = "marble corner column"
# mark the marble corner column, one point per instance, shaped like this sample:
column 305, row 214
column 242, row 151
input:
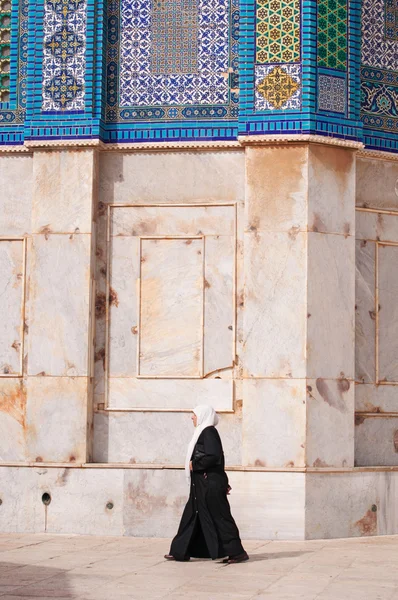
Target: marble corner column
column 297, row 358
column 59, row 306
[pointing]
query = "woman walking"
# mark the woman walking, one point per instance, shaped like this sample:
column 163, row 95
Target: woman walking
column 207, row 528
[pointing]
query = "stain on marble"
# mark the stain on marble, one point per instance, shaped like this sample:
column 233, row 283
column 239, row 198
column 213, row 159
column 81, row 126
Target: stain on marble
column 368, row 524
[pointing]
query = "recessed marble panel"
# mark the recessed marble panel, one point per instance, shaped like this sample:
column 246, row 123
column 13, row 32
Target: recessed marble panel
column 274, row 416
column 331, row 306
column 18, row 493
column 59, row 305
column 63, row 191
column 275, row 305
column 56, row 419
column 168, row 220
column 331, row 190
column 388, row 312
column 330, row 417
column 376, row 441
column 376, row 226
column 376, row 183
column 12, row 419
column 276, row 188
column 16, row 197
column 365, row 315
column 171, row 307
column 126, row 392
column 376, row 398
column 12, row 282
column 180, row 177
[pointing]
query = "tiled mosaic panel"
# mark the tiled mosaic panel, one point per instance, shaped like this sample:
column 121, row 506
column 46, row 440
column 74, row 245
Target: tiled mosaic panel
column 379, row 49
column 332, row 34
column 332, row 94
column 64, row 55
column 277, row 31
column 5, row 41
column 391, row 20
column 172, row 60
column 278, row 87
column 379, row 99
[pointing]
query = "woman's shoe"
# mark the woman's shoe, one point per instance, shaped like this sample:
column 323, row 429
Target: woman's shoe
column 171, row 557
column 237, row 559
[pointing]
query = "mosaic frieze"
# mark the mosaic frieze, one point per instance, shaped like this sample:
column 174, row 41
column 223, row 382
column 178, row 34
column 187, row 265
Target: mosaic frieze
column 379, row 99
column 332, row 93
column 5, row 49
column 64, row 55
column 277, row 31
column 172, row 60
column 332, row 34
column 278, row 87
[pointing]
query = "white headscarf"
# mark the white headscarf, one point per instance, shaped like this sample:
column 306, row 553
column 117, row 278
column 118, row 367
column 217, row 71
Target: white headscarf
column 207, row 416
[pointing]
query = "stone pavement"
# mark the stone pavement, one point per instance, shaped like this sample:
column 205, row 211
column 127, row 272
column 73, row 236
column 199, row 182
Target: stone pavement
column 100, row 568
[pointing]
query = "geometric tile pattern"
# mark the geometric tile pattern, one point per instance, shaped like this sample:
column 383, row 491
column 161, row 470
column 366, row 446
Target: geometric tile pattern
column 278, row 87
column 378, row 48
column 64, row 55
column 277, row 31
column 391, row 20
column 332, row 34
column 5, row 48
column 172, row 60
column 332, row 95
column 379, row 99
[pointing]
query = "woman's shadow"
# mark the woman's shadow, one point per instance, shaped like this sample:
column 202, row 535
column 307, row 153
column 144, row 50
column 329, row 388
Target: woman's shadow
column 271, row 556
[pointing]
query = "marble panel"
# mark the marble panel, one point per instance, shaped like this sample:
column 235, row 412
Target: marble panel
column 330, row 417
column 376, row 226
column 331, row 190
column 365, row 316
column 167, row 220
column 388, row 313
column 377, row 184
column 273, row 424
column 351, row 504
column 59, row 305
column 62, row 191
column 181, row 176
column 276, row 499
column 171, row 308
column 16, row 179
column 17, row 492
column 331, row 302
column 56, row 419
column 275, row 306
column 376, row 441
column 123, row 306
column 376, row 398
column 12, row 419
column 156, row 438
column 12, row 282
column 276, row 188
column 127, row 392
column 219, row 303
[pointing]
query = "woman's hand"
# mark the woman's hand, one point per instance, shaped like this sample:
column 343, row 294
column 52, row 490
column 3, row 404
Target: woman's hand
column 190, row 465
column 229, row 490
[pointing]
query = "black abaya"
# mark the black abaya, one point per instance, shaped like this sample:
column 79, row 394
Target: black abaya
column 207, row 528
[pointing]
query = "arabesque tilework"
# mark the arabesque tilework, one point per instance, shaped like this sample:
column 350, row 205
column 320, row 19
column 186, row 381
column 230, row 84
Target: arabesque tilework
column 5, row 49
column 278, row 87
column 332, row 93
column 277, row 31
column 64, row 61
column 332, row 34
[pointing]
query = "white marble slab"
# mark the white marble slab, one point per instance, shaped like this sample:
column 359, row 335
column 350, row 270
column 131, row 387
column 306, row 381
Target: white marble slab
column 181, row 176
column 388, row 313
column 331, row 306
column 274, row 417
column 275, row 305
column 129, row 392
column 12, row 282
column 63, row 191
column 365, row 312
column 59, row 305
column 376, row 183
column 168, row 220
column 376, row 441
column 18, row 495
column 56, row 419
column 16, row 201
column 331, row 190
column 12, row 420
column 376, row 226
column 330, row 423
column 171, row 308
column 276, row 188
column 376, row 398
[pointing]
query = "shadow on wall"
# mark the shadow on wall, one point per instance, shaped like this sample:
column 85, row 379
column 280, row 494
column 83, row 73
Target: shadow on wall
column 33, row 581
